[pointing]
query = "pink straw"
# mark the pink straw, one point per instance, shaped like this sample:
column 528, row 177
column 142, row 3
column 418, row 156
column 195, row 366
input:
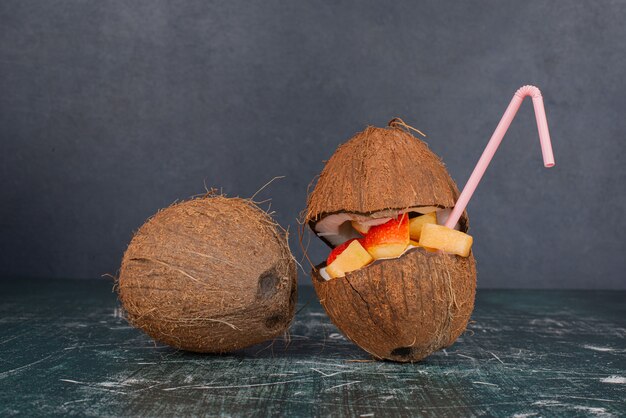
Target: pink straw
column 496, row 139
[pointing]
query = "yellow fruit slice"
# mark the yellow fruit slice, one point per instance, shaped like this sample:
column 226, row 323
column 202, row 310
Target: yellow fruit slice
column 446, row 239
column 387, row 250
column 417, row 244
column 352, row 258
column 416, row 224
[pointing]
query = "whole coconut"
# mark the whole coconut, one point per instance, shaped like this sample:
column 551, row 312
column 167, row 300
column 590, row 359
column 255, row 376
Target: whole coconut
column 405, row 308
column 212, row 274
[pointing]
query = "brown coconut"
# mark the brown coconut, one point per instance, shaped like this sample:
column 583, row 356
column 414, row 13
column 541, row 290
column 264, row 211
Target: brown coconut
column 406, row 308
column 213, row 274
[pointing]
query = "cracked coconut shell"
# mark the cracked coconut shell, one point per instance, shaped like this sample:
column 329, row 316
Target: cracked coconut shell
column 401, row 309
column 213, row 274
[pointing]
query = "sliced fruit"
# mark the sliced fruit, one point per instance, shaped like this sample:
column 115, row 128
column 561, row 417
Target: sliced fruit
column 446, row 239
column 417, row 244
column 338, row 250
column 387, row 250
column 416, row 224
column 360, row 228
column 389, row 239
column 353, row 257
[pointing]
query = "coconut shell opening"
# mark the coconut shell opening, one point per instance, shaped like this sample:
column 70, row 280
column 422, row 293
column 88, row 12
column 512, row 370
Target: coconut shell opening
column 335, row 235
column 337, row 228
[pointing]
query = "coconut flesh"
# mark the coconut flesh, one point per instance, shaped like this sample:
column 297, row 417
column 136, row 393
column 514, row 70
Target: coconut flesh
column 405, row 308
column 213, row 274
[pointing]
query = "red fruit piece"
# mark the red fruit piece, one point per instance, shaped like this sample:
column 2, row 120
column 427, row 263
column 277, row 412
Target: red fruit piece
column 338, row 250
column 389, row 239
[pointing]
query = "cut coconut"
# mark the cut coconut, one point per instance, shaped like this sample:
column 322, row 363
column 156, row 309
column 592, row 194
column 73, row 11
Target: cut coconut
column 402, row 308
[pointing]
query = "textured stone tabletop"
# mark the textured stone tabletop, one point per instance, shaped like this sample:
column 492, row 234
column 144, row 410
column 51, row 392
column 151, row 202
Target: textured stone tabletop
column 65, row 349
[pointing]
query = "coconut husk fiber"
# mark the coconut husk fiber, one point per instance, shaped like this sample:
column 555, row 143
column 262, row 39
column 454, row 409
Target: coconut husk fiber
column 211, row 274
column 400, row 309
column 380, row 169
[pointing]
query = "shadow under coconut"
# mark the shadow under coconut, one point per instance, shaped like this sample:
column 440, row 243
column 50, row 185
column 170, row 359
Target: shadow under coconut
column 311, row 334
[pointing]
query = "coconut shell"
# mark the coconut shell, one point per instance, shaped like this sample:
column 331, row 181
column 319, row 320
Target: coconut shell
column 402, row 309
column 209, row 275
column 380, row 169
column 406, row 308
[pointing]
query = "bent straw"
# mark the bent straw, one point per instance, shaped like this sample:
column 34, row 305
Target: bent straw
column 496, row 139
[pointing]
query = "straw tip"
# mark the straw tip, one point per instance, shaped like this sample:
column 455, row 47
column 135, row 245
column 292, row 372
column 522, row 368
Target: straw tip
column 549, row 164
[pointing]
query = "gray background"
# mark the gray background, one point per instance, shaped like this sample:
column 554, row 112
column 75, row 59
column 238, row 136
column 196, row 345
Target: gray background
column 111, row 110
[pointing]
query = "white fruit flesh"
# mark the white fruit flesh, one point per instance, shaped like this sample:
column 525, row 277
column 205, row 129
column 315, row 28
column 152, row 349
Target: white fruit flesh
column 360, row 228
